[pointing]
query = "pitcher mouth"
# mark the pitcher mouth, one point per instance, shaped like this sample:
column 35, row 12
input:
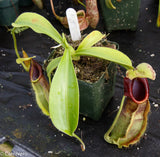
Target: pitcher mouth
column 137, row 89
column 35, row 71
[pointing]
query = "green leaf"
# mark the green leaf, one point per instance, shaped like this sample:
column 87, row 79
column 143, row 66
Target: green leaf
column 64, row 96
column 52, row 66
column 158, row 16
column 39, row 24
column 108, row 54
column 91, row 39
column 109, row 4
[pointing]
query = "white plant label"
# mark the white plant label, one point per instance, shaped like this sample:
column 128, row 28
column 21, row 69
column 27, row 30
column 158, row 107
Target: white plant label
column 73, row 24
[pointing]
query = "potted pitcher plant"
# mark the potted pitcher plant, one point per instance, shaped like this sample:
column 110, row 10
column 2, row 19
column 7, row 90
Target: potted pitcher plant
column 58, row 96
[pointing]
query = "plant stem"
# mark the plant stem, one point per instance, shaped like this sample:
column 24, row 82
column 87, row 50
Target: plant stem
column 82, row 143
column 15, row 43
column 15, row 47
column 81, row 3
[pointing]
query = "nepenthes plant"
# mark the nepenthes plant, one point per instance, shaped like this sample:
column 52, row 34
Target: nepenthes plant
column 59, row 98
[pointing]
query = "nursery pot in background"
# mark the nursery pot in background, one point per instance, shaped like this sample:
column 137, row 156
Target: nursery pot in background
column 124, row 17
column 8, row 11
column 24, row 3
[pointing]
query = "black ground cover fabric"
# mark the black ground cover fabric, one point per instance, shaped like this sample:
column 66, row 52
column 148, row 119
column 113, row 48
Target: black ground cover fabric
column 21, row 119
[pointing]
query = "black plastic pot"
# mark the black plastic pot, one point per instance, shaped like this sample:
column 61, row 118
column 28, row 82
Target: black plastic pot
column 8, row 11
column 124, row 17
column 24, row 3
column 94, row 97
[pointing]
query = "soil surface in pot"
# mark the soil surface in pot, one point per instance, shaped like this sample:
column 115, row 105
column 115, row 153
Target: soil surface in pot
column 88, row 69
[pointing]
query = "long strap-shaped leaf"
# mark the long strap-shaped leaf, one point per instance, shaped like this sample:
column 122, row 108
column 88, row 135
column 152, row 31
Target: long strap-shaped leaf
column 64, row 97
column 39, row 24
column 52, row 66
column 108, row 54
column 91, row 39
